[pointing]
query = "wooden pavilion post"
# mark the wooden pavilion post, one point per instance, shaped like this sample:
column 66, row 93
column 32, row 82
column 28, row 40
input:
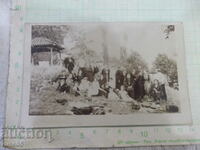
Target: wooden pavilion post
column 60, row 61
column 51, row 53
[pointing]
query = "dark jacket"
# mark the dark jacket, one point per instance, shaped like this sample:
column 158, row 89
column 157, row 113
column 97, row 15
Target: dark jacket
column 119, row 79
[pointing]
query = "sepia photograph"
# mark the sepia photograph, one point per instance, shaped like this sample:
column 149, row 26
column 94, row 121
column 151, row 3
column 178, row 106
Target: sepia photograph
column 103, row 69
column 111, row 73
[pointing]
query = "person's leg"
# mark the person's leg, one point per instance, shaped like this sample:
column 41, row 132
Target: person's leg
column 107, row 92
column 103, row 92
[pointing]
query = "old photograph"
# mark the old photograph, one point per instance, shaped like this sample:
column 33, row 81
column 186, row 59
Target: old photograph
column 102, row 69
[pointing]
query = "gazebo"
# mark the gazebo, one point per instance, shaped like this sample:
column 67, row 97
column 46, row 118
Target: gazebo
column 43, row 49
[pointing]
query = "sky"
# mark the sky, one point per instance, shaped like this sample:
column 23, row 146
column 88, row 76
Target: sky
column 147, row 39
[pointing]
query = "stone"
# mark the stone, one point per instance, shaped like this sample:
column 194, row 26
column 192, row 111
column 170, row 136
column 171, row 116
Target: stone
column 172, row 108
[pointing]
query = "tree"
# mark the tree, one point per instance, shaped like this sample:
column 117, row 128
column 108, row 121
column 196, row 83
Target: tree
column 166, row 66
column 54, row 33
column 135, row 61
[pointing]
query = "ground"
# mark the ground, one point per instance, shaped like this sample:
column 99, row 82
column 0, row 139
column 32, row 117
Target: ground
column 45, row 100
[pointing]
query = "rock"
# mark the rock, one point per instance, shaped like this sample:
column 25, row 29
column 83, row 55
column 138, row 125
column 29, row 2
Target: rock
column 105, row 104
column 82, row 110
column 155, row 106
column 109, row 110
column 62, row 101
column 172, row 108
column 98, row 111
column 91, row 110
column 68, row 112
column 146, row 104
column 135, row 106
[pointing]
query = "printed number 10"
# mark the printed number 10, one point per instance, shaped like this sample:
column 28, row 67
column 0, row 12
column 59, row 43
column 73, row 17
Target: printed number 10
column 144, row 134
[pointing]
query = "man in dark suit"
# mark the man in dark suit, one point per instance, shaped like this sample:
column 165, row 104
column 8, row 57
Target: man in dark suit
column 139, row 86
column 119, row 79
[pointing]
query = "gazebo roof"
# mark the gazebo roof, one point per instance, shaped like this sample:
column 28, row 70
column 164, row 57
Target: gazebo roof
column 41, row 42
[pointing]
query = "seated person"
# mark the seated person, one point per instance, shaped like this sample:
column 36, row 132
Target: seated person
column 104, row 90
column 74, row 76
column 93, row 88
column 79, row 76
column 84, row 86
column 76, row 89
column 60, row 78
column 64, row 87
column 156, row 91
column 104, row 87
column 69, row 79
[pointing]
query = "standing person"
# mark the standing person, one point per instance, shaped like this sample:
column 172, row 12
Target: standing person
column 71, row 64
column 133, row 75
column 163, row 82
column 69, row 81
column 129, row 85
column 102, row 82
column 133, row 79
column 147, row 84
column 123, row 78
column 105, row 73
column 127, row 80
column 156, row 91
column 90, row 74
column 139, row 86
column 118, row 78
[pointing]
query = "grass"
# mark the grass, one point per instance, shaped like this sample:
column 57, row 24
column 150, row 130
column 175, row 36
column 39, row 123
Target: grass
column 43, row 97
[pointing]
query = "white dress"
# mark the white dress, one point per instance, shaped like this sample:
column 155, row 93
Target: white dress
column 93, row 88
column 125, row 97
column 84, row 85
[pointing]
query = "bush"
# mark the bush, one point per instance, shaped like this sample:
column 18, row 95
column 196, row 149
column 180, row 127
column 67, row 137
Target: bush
column 136, row 62
column 166, row 66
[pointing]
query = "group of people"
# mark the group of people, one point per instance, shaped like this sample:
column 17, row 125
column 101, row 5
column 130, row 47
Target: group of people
column 113, row 84
column 139, row 84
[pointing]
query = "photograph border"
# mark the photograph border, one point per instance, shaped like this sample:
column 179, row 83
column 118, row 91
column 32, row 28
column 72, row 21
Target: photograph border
column 183, row 117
